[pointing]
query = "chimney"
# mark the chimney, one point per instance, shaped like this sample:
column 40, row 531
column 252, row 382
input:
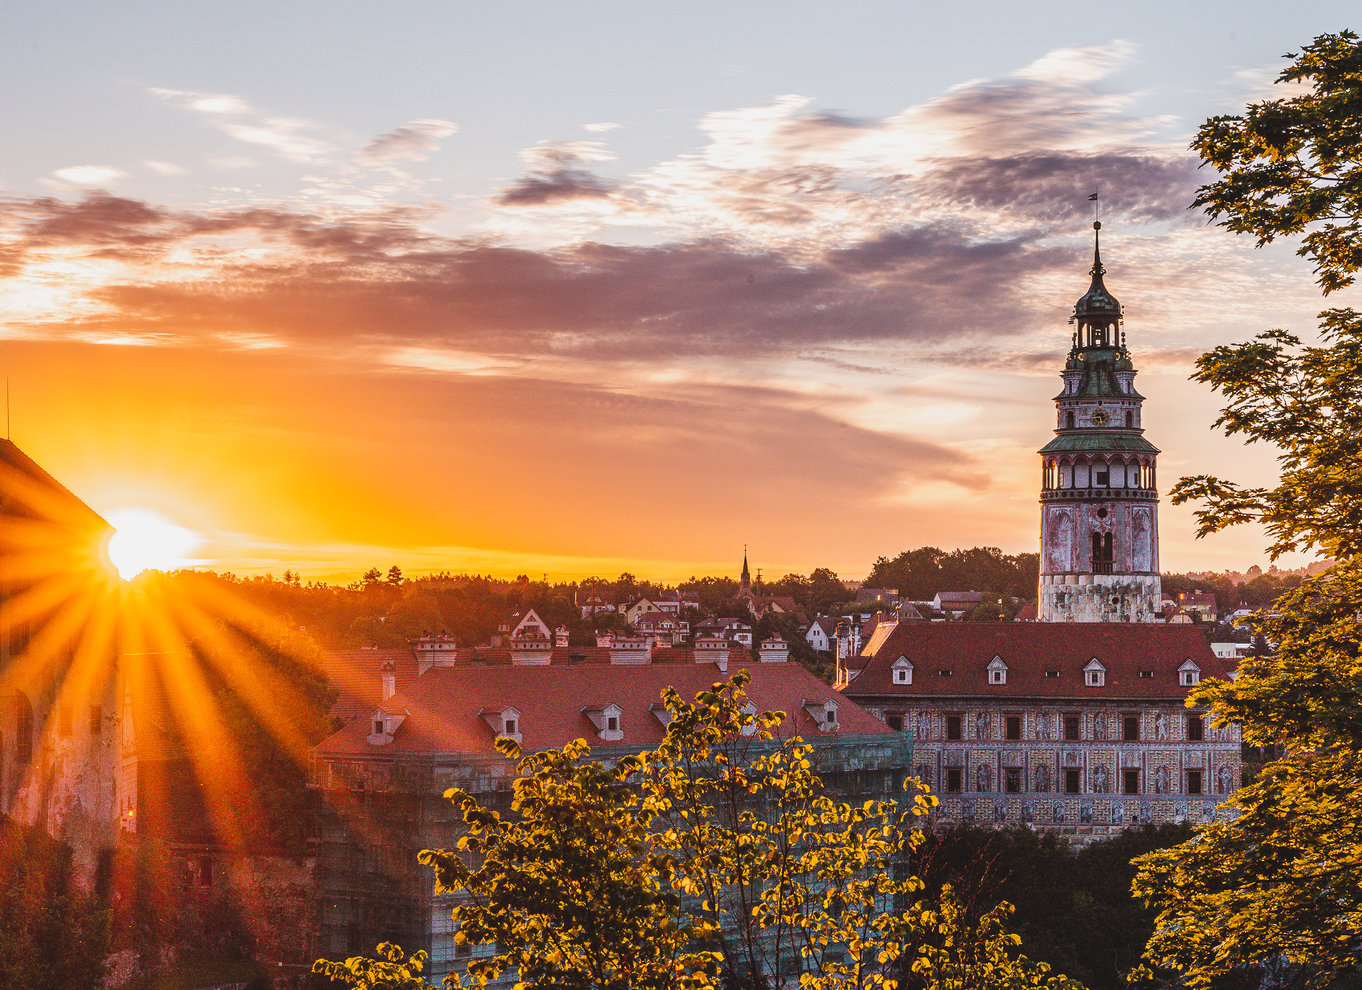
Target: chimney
column 389, row 679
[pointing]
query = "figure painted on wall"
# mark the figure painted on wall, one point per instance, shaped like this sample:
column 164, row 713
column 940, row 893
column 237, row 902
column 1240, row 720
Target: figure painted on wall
column 924, row 774
column 1043, row 726
column 1042, row 778
column 1146, row 813
column 1059, row 542
column 983, row 779
column 1160, row 727
column 967, row 810
column 1161, row 780
column 1100, row 780
column 1118, row 813
column 1057, row 810
column 1099, row 726
column 981, row 726
column 999, row 810
column 1028, row 814
column 1141, row 545
column 1085, row 813
column 1224, row 779
column 924, row 725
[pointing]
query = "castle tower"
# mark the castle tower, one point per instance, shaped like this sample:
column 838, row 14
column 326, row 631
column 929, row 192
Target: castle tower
column 1099, row 534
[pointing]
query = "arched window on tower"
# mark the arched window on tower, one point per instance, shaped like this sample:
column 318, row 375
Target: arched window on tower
column 1102, row 555
column 1069, row 420
column 1130, row 418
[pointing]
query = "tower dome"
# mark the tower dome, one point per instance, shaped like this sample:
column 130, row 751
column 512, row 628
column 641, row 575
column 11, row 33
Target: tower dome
column 1097, row 304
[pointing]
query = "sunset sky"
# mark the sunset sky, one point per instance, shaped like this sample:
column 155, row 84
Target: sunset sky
column 579, row 288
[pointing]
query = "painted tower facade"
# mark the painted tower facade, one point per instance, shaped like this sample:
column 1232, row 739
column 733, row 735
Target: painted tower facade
column 1099, row 533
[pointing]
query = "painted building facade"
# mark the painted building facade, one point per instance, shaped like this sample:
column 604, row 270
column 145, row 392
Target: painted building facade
column 1071, row 727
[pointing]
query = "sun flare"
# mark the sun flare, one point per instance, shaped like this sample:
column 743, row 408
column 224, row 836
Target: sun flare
column 144, row 540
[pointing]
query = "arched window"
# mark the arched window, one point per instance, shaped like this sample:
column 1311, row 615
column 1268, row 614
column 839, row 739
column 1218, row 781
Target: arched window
column 1069, row 420
column 1130, row 418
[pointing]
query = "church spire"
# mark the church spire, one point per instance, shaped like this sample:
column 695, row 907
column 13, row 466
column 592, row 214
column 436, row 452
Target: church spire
column 746, row 574
column 1097, row 313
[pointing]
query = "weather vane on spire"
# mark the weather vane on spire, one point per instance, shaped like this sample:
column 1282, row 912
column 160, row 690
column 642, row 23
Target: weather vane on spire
column 1096, row 206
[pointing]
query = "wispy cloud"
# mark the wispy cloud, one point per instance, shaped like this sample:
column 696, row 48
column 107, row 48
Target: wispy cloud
column 90, row 175
column 413, row 142
column 558, row 172
column 292, row 138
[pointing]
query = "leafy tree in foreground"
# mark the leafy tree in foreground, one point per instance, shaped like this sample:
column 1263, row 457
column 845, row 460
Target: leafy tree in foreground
column 1281, row 884
column 715, row 859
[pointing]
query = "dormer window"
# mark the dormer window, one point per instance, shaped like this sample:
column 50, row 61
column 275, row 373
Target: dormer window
column 824, row 713
column 903, row 671
column 606, row 719
column 1188, row 674
column 997, row 671
column 1095, row 674
column 504, row 722
column 384, row 724
column 749, row 719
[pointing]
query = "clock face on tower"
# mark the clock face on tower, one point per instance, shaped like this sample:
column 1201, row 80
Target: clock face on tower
column 1100, row 418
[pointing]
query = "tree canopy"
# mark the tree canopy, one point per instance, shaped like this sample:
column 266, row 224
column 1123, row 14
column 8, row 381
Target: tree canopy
column 1293, row 166
column 717, row 858
column 1279, row 886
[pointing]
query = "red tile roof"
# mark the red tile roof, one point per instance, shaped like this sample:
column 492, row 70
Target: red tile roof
column 357, row 677
column 443, row 705
column 1030, row 649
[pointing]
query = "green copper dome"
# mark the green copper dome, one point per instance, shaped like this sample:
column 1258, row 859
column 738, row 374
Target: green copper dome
column 1097, row 305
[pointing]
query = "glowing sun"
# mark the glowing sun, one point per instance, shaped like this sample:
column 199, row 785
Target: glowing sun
column 144, row 541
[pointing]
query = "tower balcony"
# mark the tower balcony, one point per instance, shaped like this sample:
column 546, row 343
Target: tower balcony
column 1099, row 495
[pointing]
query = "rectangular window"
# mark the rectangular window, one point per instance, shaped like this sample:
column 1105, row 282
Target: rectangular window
column 1130, row 728
column 1012, row 780
column 1072, row 779
column 894, row 722
column 511, row 727
column 1072, row 724
column 1013, row 726
column 1130, row 782
column 378, row 726
column 953, row 780
column 96, row 720
column 1193, row 781
column 1196, row 729
column 612, row 724
column 954, row 727
column 65, row 717
column 1052, row 673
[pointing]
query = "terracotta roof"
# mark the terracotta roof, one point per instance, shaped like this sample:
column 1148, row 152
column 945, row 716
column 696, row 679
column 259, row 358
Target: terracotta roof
column 357, row 677
column 961, row 597
column 1030, row 649
column 443, row 705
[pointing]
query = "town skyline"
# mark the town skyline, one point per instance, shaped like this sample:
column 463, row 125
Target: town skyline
column 577, row 311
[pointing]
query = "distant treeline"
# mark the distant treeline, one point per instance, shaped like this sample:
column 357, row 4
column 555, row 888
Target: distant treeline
column 385, row 608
